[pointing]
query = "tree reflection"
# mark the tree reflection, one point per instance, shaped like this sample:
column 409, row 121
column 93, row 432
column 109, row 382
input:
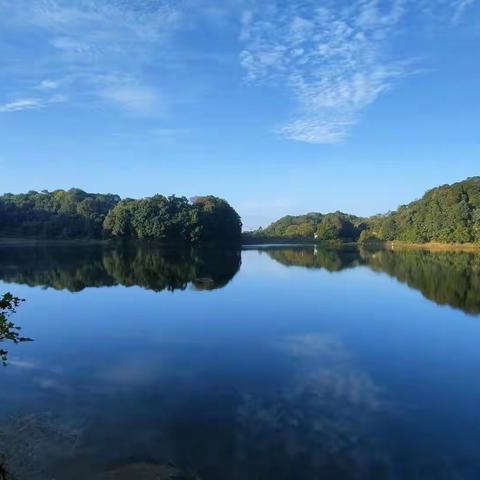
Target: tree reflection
column 151, row 267
column 312, row 257
column 446, row 278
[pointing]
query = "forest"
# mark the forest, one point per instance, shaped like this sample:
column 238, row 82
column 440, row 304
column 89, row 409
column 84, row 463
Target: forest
column 318, row 226
column 446, row 214
column 75, row 214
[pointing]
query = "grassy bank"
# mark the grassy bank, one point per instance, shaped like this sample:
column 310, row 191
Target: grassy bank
column 374, row 244
column 433, row 246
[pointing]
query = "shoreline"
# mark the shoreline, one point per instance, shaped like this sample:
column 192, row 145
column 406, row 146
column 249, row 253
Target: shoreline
column 389, row 245
column 431, row 246
column 17, row 242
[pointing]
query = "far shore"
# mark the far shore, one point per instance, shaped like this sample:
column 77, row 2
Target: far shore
column 390, row 245
column 19, row 241
column 261, row 242
column 433, row 246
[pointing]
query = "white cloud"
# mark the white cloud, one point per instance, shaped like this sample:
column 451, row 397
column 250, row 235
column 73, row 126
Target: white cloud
column 24, row 104
column 31, row 103
column 48, row 85
column 134, row 98
column 23, row 364
column 169, row 134
column 88, row 46
column 332, row 57
column 445, row 10
column 459, row 7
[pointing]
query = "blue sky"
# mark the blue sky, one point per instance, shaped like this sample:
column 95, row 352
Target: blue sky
column 278, row 106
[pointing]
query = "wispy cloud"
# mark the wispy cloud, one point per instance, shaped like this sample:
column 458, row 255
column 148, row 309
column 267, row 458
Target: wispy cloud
column 331, row 56
column 18, row 105
column 135, row 98
column 169, row 134
column 48, row 85
column 92, row 49
column 113, row 51
column 459, row 7
column 445, row 10
column 31, row 103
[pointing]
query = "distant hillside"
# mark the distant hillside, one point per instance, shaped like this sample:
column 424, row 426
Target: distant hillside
column 446, row 214
column 319, row 226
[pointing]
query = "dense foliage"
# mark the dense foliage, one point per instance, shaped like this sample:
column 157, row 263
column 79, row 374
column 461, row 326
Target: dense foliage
column 8, row 330
column 330, row 226
column 59, row 214
column 175, row 219
column 446, row 214
column 77, row 214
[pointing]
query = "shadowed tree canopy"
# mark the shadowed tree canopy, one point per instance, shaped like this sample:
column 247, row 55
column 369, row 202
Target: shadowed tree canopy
column 175, row 219
column 59, row 214
column 76, row 214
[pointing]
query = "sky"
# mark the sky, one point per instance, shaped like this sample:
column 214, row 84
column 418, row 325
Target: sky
column 279, row 106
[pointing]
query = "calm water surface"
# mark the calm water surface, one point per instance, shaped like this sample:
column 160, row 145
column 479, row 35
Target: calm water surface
column 266, row 364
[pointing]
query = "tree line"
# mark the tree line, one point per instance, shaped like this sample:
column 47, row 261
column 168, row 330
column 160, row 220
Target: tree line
column 313, row 226
column 446, row 214
column 71, row 214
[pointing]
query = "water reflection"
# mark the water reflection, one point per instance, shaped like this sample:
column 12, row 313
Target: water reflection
column 320, row 423
column 261, row 380
column 314, row 257
column 317, row 417
column 447, row 278
column 154, row 268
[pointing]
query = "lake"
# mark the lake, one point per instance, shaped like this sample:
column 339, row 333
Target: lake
column 271, row 363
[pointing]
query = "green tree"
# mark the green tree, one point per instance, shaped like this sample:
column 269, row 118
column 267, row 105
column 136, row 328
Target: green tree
column 8, row 330
column 58, row 214
column 175, row 219
column 215, row 220
column 336, row 227
column 446, row 214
